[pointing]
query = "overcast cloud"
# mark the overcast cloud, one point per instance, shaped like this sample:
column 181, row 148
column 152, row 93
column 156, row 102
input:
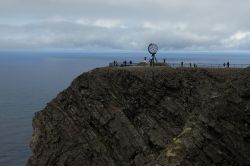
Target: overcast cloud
column 125, row 24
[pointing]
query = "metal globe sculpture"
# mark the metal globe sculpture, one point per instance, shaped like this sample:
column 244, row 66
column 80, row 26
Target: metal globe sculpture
column 152, row 49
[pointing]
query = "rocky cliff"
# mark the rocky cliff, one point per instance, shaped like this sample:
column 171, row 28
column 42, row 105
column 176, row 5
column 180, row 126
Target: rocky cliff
column 147, row 116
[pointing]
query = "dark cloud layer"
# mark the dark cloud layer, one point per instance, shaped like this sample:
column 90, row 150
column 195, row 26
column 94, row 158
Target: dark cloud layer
column 125, row 24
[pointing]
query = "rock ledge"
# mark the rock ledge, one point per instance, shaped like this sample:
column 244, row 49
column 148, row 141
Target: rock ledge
column 147, row 116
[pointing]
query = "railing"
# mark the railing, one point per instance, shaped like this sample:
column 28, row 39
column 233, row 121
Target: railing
column 112, row 64
column 186, row 65
column 208, row 65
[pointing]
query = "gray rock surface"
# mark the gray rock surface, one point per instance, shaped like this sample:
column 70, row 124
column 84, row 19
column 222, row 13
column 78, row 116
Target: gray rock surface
column 147, row 116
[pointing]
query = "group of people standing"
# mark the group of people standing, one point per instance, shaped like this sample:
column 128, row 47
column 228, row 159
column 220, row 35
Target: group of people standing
column 124, row 63
column 226, row 64
column 129, row 63
column 195, row 66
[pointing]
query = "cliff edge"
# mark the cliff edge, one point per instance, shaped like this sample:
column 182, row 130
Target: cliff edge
column 147, row 116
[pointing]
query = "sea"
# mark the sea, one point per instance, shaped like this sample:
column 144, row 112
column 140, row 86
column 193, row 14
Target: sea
column 30, row 79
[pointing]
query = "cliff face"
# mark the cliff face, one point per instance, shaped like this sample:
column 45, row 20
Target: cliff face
column 147, row 116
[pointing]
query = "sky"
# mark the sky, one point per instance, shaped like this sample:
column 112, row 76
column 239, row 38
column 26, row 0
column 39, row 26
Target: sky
column 125, row 24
